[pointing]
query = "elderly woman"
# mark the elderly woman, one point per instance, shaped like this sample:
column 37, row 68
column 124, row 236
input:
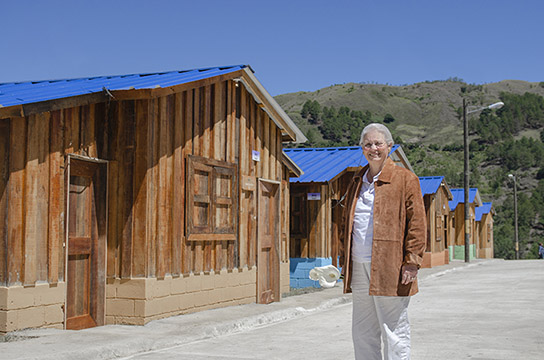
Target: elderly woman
column 383, row 237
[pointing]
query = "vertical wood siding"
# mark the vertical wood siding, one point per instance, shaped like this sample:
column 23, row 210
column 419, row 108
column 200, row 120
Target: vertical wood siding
column 4, row 176
column 146, row 142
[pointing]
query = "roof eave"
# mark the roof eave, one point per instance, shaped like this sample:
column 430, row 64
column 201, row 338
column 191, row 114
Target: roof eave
column 402, row 158
column 294, row 169
column 478, row 199
column 290, row 131
column 52, row 105
column 448, row 191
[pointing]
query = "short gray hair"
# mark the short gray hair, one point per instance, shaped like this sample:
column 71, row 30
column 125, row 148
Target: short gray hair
column 381, row 128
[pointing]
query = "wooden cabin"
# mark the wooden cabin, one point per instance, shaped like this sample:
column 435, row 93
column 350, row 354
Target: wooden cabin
column 130, row 198
column 484, row 230
column 457, row 222
column 316, row 205
column 436, row 195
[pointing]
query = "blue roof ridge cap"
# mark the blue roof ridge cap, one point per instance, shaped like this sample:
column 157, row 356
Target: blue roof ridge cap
column 324, row 148
column 332, row 148
column 94, row 77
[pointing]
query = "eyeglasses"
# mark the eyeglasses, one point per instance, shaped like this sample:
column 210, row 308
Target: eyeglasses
column 378, row 145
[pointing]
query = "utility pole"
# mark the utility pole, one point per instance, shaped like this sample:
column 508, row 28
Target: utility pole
column 466, row 161
column 513, row 177
column 466, row 183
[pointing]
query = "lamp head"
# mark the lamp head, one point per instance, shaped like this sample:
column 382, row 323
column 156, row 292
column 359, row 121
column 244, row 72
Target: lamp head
column 496, row 105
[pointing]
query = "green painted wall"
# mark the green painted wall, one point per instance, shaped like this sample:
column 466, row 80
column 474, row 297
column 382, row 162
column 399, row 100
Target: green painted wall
column 459, row 252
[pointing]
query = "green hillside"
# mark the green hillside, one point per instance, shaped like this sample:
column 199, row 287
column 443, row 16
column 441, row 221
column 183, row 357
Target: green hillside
column 426, row 118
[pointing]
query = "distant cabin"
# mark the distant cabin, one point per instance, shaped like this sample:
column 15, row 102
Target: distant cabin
column 131, row 198
column 436, row 196
column 457, row 222
column 316, row 204
column 484, row 230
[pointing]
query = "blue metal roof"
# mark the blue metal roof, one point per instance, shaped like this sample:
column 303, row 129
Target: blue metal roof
column 481, row 210
column 430, row 184
column 20, row 93
column 323, row 164
column 459, row 197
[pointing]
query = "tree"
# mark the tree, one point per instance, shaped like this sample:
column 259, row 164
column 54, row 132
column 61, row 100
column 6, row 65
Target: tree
column 315, row 112
column 331, row 130
column 311, row 135
column 388, row 118
column 311, row 110
column 305, row 109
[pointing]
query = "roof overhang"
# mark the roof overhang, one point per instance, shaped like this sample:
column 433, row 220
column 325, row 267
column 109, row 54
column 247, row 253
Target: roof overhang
column 52, row 105
column 290, row 132
column 398, row 156
column 294, row 169
column 478, row 199
column 447, row 188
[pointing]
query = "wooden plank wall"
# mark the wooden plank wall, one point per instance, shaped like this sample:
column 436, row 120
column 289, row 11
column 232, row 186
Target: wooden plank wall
column 441, row 209
column 146, row 142
column 429, row 202
column 4, row 176
column 219, row 121
column 319, row 222
column 284, row 209
column 32, row 181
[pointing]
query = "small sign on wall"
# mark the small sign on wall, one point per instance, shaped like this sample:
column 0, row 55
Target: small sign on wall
column 255, row 155
column 314, row 196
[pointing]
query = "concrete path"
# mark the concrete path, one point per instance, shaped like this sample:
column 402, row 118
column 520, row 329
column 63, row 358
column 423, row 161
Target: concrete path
column 492, row 311
column 489, row 309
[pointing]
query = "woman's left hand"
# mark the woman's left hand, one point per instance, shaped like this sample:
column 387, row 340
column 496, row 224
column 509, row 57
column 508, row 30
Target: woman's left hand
column 409, row 274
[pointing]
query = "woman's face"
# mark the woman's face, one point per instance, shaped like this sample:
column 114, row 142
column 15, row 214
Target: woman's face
column 375, row 148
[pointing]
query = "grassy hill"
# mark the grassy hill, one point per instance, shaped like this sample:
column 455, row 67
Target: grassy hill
column 426, row 113
column 426, row 118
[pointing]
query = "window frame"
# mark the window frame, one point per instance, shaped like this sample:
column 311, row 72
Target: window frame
column 215, row 169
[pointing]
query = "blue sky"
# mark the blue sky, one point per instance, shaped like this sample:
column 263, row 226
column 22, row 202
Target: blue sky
column 295, row 45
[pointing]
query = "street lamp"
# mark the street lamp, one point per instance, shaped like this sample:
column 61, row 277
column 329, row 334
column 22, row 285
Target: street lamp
column 466, row 180
column 513, row 177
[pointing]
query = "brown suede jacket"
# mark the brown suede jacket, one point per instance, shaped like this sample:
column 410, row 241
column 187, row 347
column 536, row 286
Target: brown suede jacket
column 399, row 230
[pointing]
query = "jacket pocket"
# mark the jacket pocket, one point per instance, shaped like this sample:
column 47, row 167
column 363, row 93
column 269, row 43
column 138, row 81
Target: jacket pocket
column 386, row 266
column 389, row 252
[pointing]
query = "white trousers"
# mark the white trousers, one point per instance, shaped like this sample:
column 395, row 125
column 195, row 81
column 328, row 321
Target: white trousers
column 376, row 317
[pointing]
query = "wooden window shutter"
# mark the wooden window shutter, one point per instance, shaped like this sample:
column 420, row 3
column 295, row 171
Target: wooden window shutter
column 439, row 226
column 224, row 204
column 212, row 199
column 199, row 197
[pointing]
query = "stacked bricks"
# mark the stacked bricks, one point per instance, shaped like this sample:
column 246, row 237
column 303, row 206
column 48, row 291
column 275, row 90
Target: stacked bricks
column 300, row 271
column 284, row 278
column 138, row 301
column 38, row 306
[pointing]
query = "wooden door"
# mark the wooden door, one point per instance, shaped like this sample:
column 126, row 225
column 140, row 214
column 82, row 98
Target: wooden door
column 268, row 241
column 86, row 247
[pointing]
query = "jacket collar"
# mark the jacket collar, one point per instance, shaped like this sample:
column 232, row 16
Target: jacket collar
column 385, row 175
column 387, row 171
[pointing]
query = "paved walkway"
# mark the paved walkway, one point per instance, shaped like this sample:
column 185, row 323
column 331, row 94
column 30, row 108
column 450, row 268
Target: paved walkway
column 488, row 309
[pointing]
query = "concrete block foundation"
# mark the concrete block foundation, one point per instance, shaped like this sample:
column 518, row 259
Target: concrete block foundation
column 37, row 306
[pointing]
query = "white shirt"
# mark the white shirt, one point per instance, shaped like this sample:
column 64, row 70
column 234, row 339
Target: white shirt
column 363, row 224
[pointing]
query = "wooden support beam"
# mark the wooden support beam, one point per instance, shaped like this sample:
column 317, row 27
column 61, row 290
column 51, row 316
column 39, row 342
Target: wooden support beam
column 178, row 188
column 56, row 233
column 140, row 188
column 152, row 185
column 4, row 188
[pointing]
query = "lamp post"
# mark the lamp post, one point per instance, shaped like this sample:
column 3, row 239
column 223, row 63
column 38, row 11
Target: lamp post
column 466, row 169
column 513, row 177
